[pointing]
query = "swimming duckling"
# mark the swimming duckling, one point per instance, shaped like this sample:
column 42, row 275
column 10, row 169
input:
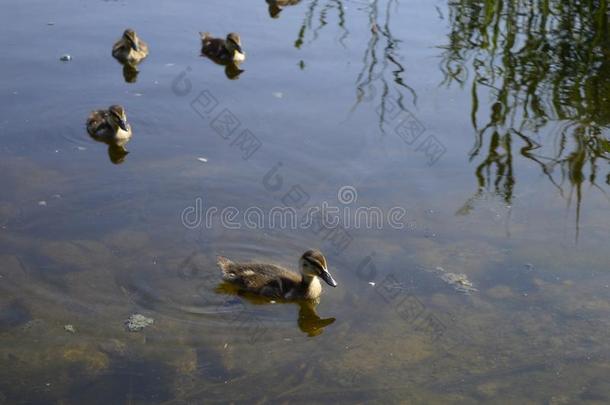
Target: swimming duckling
column 274, row 281
column 222, row 50
column 130, row 48
column 109, row 125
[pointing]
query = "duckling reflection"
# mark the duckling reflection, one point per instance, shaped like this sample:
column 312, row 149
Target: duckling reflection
column 130, row 50
column 130, row 73
column 308, row 321
column 260, row 281
column 110, row 127
column 226, row 52
column 232, row 71
column 276, row 6
column 117, row 153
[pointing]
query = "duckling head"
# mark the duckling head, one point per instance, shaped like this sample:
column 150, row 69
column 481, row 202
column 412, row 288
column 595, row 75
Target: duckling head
column 313, row 264
column 233, row 45
column 132, row 39
column 118, row 117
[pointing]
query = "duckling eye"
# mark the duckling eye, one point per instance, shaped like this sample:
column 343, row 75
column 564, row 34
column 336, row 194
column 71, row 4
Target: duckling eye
column 117, row 116
column 317, row 267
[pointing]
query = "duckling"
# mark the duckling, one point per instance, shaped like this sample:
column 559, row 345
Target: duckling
column 222, row 51
column 109, row 125
column 130, row 48
column 277, row 282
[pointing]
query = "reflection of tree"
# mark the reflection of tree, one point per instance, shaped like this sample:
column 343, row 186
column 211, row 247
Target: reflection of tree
column 316, row 18
column 381, row 64
column 543, row 62
column 374, row 66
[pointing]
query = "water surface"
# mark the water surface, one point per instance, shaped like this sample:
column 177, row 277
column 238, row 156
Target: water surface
column 486, row 121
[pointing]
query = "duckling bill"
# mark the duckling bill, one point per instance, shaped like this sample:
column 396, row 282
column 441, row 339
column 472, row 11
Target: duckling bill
column 274, row 281
column 222, row 50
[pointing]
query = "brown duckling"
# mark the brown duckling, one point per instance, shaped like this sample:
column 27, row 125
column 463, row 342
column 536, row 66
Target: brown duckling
column 273, row 281
column 109, row 125
column 130, row 48
column 222, row 50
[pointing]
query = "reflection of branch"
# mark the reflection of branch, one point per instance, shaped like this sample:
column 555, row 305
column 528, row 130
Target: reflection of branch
column 341, row 12
column 377, row 65
column 307, row 23
column 322, row 20
column 526, row 151
column 369, row 73
column 390, row 54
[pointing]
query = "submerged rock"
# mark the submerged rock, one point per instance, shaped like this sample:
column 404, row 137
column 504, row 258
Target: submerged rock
column 137, row 322
column 458, row 281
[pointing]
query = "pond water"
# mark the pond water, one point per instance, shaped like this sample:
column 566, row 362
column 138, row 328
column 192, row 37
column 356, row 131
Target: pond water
column 478, row 129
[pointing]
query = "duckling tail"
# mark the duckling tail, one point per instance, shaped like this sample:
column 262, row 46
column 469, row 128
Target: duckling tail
column 223, row 263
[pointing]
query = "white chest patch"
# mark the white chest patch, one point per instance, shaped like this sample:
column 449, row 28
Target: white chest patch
column 120, row 134
column 315, row 289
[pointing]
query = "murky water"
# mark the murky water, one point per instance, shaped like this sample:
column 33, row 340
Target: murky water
column 477, row 129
